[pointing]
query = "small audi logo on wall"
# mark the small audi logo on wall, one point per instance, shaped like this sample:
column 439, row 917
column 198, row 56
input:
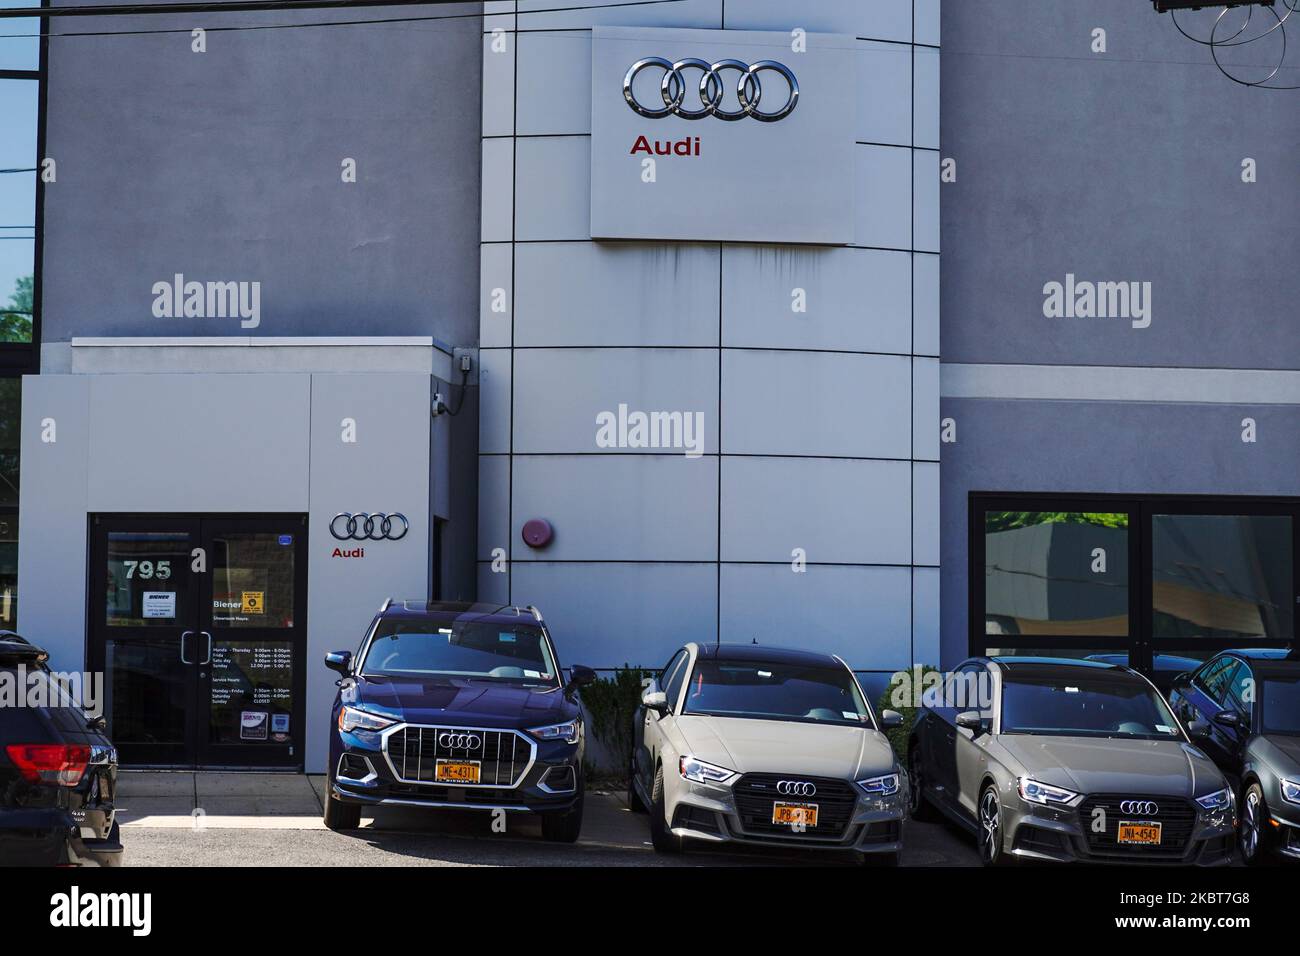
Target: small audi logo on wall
column 796, row 788
column 460, row 741
column 1145, row 808
column 346, row 526
column 711, row 89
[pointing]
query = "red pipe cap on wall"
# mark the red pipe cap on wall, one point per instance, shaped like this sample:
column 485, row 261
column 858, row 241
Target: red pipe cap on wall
column 538, row 532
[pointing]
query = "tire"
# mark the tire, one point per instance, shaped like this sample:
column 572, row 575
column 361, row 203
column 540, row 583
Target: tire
column 661, row 837
column 564, row 827
column 919, row 807
column 340, row 815
column 1254, row 838
column 634, row 801
column 988, row 815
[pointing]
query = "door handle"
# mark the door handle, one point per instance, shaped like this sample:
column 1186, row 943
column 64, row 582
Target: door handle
column 208, row 658
column 184, row 635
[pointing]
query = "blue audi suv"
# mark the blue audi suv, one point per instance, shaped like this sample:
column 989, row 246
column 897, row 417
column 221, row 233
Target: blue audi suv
column 457, row 706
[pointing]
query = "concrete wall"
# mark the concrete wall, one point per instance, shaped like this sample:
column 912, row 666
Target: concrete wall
column 1115, row 166
column 819, row 428
column 226, row 165
column 209, row 444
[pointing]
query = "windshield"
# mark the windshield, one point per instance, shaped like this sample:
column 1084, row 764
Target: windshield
column 512, row 653
column 1085, row 706
column 1281, row 705
column 770, row 691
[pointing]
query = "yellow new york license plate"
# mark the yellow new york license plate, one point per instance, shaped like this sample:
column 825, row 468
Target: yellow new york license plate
column 1139, row 833
column 794, row 813
column 456, row 771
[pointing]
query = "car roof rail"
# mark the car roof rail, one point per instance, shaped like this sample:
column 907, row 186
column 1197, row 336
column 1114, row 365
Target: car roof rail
column 388, row 602
column 536, row 613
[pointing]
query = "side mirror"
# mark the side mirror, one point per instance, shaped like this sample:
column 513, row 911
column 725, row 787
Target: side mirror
column 971, row 720
column 1182, row 680
column 579, row 677
column 1228, row 718
column 655, row 700
column 340, row 661
column 1198, row 728
column 99, row 723
column 890, row 719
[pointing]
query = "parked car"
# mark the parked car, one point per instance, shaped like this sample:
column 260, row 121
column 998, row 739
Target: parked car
column 457, row 706
column 1064, row 760
column 1164, row 667
column 1243, row 709
column 747, row 743
column 58, row 771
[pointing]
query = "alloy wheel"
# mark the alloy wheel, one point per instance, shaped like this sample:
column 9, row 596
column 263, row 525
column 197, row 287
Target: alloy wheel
column 990, row 826
column 1250, row 826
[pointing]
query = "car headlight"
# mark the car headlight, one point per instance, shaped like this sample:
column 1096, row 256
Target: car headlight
column 882, row 786
column 568, row 732
column 1290, row 791
column 353, row 718
column 1044, row 794
column 1214, row 802
column 699, row 771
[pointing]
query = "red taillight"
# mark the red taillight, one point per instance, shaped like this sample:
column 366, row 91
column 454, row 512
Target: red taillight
column 63, row 764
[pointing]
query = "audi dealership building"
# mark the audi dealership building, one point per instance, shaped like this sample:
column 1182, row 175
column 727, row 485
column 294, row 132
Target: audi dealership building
column 883, row 327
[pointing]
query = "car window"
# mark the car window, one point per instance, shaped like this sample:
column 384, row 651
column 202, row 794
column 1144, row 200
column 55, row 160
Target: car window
column 674, row 684
column 1240, row 690
column 1280, row 697
column 775, row 690
column 1084, row 705
column 667, row 671
column 415, row 650
column 1212, row 677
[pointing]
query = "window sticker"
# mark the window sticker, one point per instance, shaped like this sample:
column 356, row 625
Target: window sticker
column 506, row 637
column 253, row 724
column 159, row 604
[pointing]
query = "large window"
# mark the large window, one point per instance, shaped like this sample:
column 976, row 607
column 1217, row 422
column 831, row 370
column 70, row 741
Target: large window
column 1157, row 581
column 20, row 186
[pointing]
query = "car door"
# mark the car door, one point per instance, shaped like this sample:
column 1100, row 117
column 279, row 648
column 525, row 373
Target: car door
column 945, row 737
column 970, row 750
column 1207, row 695
column 646, row 731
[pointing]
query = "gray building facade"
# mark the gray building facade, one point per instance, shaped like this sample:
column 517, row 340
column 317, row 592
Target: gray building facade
column 271, row 259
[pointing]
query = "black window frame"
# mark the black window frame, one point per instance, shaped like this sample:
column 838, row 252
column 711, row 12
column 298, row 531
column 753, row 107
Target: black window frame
column 1139, row 644
column 20, row 358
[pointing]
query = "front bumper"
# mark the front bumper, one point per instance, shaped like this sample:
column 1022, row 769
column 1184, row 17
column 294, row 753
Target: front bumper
column 1283, row 826
column 710, row 814
column 365, row 770
column 1076, row 834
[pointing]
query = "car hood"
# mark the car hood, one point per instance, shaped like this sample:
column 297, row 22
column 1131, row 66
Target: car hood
column 779, row 746
column 1281, row 752
column 460, row 702
column 1110, row 765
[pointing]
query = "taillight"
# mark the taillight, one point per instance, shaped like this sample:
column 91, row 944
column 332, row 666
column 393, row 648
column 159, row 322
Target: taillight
column 62, row 764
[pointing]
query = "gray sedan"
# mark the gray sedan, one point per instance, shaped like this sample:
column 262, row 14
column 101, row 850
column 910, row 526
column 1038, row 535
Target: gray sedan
column 1063, row 760
column 747, row 743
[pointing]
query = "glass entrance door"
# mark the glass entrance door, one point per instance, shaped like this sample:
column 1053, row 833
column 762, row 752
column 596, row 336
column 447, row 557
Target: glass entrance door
column 198, row 624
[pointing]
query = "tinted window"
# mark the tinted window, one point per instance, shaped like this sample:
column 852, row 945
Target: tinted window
column 414, row 649
column 1280, row 699
column 1084, row 706
column 1223, row 576
column 675, row 674
column 775, row 691
column 1055, row 574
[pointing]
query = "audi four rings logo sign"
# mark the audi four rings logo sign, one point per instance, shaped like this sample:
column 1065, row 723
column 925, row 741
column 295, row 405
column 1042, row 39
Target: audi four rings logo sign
column 346, row 526
column 796, row 788
column 712, row 89
column 1142, row 808
column 460, row 741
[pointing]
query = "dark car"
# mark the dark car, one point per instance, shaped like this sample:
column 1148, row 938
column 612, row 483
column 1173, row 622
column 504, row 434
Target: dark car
column 458, row 706
column 1243, row 708
column 1165, row 667
column 58, row 772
